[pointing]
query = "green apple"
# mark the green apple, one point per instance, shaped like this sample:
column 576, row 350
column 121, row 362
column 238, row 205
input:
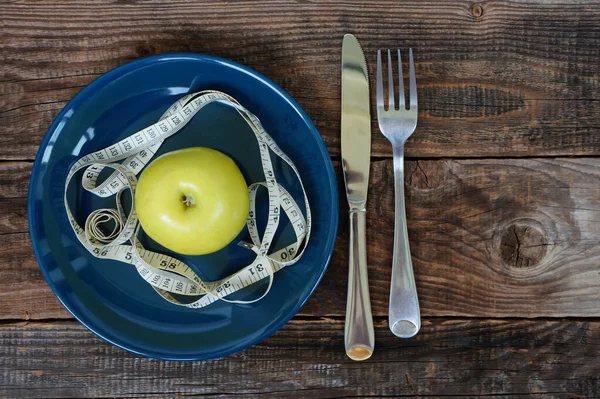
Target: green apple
column 192, row 201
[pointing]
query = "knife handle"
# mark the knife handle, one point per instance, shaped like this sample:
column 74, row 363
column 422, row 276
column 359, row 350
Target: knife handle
column 359, row 336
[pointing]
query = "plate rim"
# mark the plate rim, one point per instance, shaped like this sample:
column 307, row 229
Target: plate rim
column 128, row 67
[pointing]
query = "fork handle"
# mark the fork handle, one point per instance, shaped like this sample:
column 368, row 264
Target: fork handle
column 359, row 337
column 404, row 314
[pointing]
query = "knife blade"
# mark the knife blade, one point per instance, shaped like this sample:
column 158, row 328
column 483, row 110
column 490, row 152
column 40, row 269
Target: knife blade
column 356, row 158
column 356, row 122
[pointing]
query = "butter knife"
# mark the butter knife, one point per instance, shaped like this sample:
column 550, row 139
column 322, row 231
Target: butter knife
column 356, row 157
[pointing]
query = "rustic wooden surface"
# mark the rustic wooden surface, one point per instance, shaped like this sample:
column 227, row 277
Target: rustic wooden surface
column 520, row 79
column 449, row 358
column 502, row 185
column 489, row 238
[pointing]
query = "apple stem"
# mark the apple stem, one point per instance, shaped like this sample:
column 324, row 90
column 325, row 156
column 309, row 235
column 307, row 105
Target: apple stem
column 188, row 200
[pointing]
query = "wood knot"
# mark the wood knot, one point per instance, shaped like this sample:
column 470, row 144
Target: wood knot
column 145, row 50
column 522, row 246
column 425, row 175
column 477, row 11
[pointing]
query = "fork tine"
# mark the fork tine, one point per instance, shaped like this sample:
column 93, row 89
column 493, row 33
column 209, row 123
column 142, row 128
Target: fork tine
column 401, row 95
column 380, row 104
column 391, row 103
column 413, row 82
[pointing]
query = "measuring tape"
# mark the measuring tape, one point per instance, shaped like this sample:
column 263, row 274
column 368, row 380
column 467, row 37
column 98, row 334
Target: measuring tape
column 164, row 273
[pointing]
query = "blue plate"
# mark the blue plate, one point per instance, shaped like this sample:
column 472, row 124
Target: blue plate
column 109, row 297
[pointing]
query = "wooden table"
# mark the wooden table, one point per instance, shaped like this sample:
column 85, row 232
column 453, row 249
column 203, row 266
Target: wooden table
column 503, row 195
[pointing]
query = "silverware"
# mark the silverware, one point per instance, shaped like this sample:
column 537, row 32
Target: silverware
column 356, row 158
column 397, row 125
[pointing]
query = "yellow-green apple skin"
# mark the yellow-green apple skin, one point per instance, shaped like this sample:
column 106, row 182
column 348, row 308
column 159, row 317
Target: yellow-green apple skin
column 192, row 201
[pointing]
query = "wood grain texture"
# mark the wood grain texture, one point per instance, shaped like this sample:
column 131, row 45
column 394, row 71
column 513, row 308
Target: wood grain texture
column 489, row 238
column 14, row 181
column 454, row 358
column 462, row 216
column 26, row 296
column 503, row 78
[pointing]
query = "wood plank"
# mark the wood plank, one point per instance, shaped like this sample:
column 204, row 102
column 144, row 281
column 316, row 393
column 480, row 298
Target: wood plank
column 27, row 296
column 489, row 238
column 455, row 358
column 14, row 181
column 501, row 79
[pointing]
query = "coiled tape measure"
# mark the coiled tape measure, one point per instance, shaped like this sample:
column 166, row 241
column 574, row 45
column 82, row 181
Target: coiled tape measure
column 164, row 273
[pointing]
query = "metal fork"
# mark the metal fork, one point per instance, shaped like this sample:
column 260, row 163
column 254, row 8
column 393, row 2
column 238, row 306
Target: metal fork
column 397, row 125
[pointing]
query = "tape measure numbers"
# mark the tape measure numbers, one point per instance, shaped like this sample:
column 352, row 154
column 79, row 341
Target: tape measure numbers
column 168, row 275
